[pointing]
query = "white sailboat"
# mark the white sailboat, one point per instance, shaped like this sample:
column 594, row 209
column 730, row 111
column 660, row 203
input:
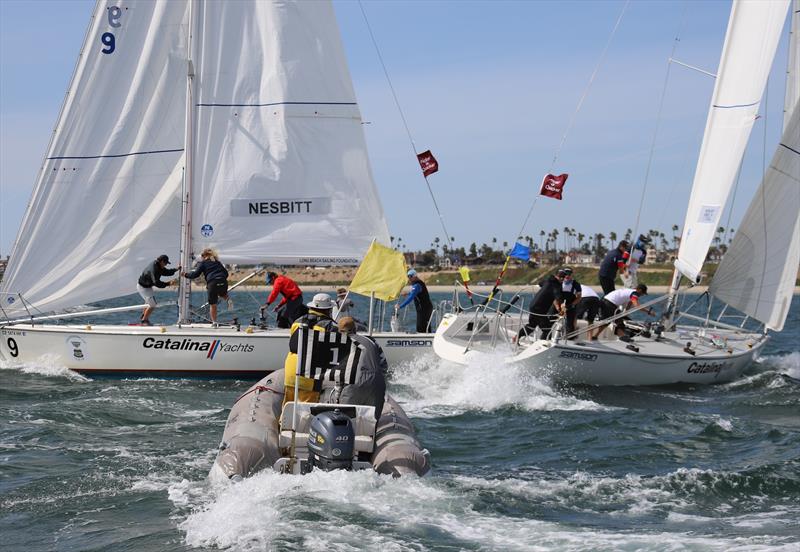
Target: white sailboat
column 191, row 124
column 758, row 272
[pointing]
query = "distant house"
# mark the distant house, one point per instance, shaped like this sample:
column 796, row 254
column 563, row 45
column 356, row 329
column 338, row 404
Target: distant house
column 579, row 258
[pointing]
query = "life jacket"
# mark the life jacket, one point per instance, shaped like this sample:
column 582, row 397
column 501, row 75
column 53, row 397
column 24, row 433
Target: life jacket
column 331, row 347
column 422, row 302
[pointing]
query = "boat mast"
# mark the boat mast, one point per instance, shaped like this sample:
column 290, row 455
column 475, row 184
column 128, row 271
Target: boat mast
column 185, row 285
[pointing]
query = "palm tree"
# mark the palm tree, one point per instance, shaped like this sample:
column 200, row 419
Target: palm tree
column 541, row 237
column 675, row 229
column 628, row 234
column 612, row 237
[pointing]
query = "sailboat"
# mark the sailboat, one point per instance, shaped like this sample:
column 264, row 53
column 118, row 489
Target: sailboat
column 756, row 276
column 186, row 125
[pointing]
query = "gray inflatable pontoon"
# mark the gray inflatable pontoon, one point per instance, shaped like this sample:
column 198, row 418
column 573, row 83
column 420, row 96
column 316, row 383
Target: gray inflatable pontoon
column 355, row 424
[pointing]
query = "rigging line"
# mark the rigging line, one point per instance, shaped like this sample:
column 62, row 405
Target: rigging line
column 733, row 202
column 403, row 117
column 763, row 193
column 588, row 85
column 577, row 109
column 635, row 234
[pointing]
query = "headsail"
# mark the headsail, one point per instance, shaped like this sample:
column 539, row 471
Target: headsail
column 281, row 172
column 106, row 199
column 753, row 34
column 758, row 272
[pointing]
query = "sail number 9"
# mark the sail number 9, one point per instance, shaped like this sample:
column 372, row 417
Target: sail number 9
column 108, row 39
column 13, row 349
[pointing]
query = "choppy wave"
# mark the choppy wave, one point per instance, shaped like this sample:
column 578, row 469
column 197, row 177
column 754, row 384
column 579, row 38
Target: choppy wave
column 788, row 364
column 46, row 365
column 365, row 511
column 430, row 387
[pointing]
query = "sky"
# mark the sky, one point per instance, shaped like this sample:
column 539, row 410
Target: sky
column 490, row 88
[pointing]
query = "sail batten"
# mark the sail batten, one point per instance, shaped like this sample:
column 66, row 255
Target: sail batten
column 750, row 43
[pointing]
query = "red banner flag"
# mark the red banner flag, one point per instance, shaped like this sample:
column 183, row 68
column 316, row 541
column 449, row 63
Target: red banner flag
column 428, row 163
column 553, row 186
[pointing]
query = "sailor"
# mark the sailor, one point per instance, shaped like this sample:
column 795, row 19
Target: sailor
column 620, row 299
column 547, row 300
column 636, row 257
column 422, row 301
column 570, row 297
column 318, row 319
column 151, row 277
column 291, row 305
column 614, row 260
column 370, row 385
column 216, row 280
column 589, row 304
column 343, row 304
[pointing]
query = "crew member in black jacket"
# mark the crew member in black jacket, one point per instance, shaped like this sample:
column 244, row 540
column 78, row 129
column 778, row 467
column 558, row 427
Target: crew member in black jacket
column 151, row 277
column 549, row 296
column 216, row 280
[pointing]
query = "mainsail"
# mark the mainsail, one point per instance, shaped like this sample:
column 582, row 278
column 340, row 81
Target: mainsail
column 281, row 172
column 793, row 69
column 280, row 168
column 753, row 34
column 107, row 196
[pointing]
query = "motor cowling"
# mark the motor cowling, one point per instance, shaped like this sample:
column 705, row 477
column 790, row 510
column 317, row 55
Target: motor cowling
column 331, row 438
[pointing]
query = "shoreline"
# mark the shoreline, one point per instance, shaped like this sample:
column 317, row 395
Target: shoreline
column 477, row 289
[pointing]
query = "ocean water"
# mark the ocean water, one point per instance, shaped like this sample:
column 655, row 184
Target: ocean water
column 518, row 464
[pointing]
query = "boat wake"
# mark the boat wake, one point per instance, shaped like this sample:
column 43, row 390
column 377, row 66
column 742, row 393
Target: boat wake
column 788, row 364
column 429, row 387
column 366, row 511
column 46, row 365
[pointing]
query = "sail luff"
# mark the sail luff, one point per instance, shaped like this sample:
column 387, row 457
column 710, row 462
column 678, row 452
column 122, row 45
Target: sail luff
column 793, row 65
column 751, row 40
column 36, row 195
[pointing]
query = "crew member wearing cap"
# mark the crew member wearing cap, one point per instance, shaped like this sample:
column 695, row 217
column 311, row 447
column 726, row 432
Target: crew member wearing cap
column 614, row 260
column 151, row 277
column 571, row 293
column 291, row 305
column 624, row 299
column 216, row 276
column 422, row 301
column 637, row 256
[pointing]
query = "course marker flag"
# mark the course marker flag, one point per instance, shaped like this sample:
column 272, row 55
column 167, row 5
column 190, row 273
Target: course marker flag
column 382, row 272
column 428, row 163
column 553, row 186
column 521, row 252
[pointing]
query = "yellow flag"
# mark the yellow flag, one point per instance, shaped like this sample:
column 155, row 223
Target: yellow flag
column 464, row 271
column 382, row 272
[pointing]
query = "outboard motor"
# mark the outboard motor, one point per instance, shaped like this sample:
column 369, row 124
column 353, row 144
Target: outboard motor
column 331, row 439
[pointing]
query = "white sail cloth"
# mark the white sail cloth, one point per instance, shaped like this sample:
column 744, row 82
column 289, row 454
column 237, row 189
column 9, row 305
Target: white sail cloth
column 753, row 33
column 107, row 198
column 793, row 68
column 281, row 172
column 758, row 273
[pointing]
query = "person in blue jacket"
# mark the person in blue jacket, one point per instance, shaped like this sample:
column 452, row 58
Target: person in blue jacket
column 422, row 302
column 216, row 280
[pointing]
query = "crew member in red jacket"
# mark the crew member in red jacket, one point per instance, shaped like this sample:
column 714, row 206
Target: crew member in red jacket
column 291, row 307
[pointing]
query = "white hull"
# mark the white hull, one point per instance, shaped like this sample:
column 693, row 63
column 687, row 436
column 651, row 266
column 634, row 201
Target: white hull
column 610, row 362
column 196, row 350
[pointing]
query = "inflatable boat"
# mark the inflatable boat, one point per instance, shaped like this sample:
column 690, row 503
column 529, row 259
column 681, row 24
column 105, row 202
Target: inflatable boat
column 315, row 414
